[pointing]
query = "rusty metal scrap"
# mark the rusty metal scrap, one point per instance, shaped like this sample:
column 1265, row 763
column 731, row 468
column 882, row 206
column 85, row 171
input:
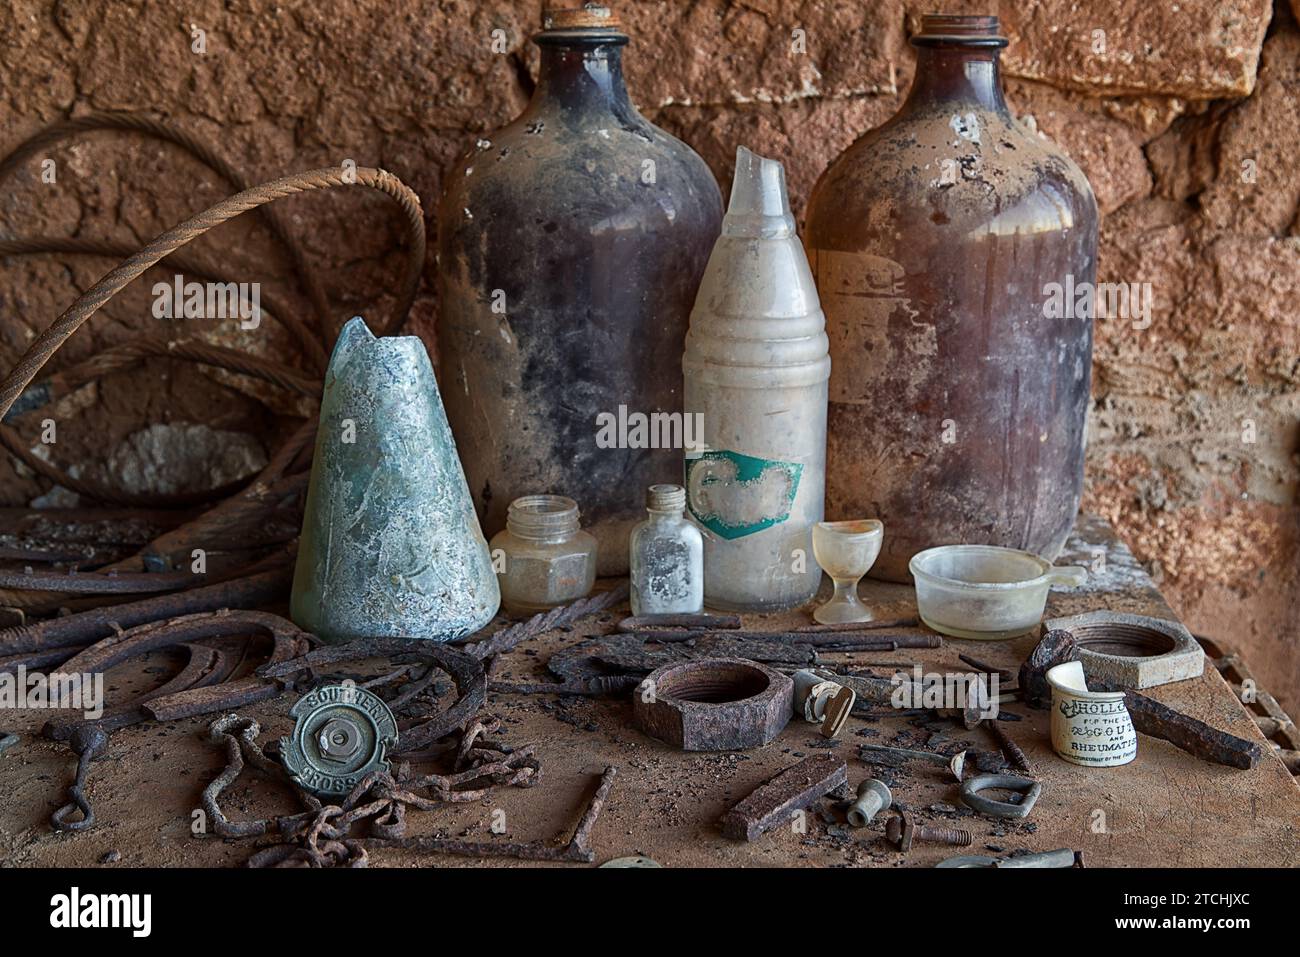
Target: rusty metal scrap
column 577, row 849
column 884, row 691
column 704, row 622
column 902, row 830
column 1003, row 673
column 755, row 649
column 90, row 626
column 599, row 686
column 839, row 640
column 465, row 670
column 204, row 666
column 1056, row 647
column 209, row 699
column 320, row 835
column 856, row 626
column 715, row 704
column 88, row 743
column 866, row 641
column 289, row 639
column 1012, row 751
column 239, row 737
column 895, row 757
column 776, row 801
column 97, row 583
column 1191, row 735
column 39, row 660
column 604, row 665
column 621, row 654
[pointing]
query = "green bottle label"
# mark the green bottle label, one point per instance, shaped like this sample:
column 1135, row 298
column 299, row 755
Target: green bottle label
column 734, row 495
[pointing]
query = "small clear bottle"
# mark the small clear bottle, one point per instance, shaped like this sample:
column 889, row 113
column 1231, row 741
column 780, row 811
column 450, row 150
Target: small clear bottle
column 667, row 557
column 543, row 558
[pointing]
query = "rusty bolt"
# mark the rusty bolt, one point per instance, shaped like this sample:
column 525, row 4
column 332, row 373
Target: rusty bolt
column 902, row 831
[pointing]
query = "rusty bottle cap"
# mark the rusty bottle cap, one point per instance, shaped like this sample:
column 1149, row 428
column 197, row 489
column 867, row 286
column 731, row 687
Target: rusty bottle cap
column 580, row 16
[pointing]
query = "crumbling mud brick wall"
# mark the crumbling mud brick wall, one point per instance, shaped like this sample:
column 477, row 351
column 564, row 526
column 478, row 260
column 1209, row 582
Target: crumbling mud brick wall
column 1184, row 117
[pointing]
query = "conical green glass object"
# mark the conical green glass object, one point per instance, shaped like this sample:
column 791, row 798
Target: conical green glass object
column 391, row 545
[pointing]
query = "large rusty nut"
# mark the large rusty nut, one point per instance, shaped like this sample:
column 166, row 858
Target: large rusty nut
column 713, row 704
column 1133, row 651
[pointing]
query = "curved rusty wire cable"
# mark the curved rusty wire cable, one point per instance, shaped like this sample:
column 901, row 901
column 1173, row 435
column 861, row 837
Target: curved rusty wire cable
column 279, row 310
column 315, row 346
column 126, row 354
column 89, row 302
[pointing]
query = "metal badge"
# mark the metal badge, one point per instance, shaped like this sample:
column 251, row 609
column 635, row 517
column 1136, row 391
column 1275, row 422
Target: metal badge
column 343, row 733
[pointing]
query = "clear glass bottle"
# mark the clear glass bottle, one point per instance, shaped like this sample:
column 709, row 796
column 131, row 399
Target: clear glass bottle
column 666, row 557
column 543, row 558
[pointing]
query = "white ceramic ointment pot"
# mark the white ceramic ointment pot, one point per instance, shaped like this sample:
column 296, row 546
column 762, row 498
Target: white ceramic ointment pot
column 1089, row 728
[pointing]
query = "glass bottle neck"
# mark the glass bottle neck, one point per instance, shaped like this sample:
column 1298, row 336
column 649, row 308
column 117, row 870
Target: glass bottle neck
column 957, row 74
column 582, row 74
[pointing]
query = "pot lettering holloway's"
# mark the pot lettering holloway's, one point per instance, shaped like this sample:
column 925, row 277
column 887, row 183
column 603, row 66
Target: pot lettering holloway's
column 958, row 396
column 571, row 244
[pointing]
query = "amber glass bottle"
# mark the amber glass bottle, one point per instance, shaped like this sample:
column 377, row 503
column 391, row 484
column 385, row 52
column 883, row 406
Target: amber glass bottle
column 958, row 396
column 571, row 244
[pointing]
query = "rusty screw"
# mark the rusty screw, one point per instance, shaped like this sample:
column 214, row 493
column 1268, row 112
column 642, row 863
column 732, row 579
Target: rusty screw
column 902, row 831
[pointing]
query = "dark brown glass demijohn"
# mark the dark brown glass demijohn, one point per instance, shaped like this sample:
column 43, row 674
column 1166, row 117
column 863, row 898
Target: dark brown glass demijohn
column 958, row 395
column 571, row 244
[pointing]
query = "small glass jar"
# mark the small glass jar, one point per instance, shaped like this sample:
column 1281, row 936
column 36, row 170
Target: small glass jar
column 667, row 557
column 542, row 558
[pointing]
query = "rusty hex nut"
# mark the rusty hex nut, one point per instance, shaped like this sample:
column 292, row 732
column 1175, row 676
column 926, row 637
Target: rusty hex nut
column 713, row 704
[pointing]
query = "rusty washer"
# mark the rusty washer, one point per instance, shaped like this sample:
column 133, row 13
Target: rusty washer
column 713, row 704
